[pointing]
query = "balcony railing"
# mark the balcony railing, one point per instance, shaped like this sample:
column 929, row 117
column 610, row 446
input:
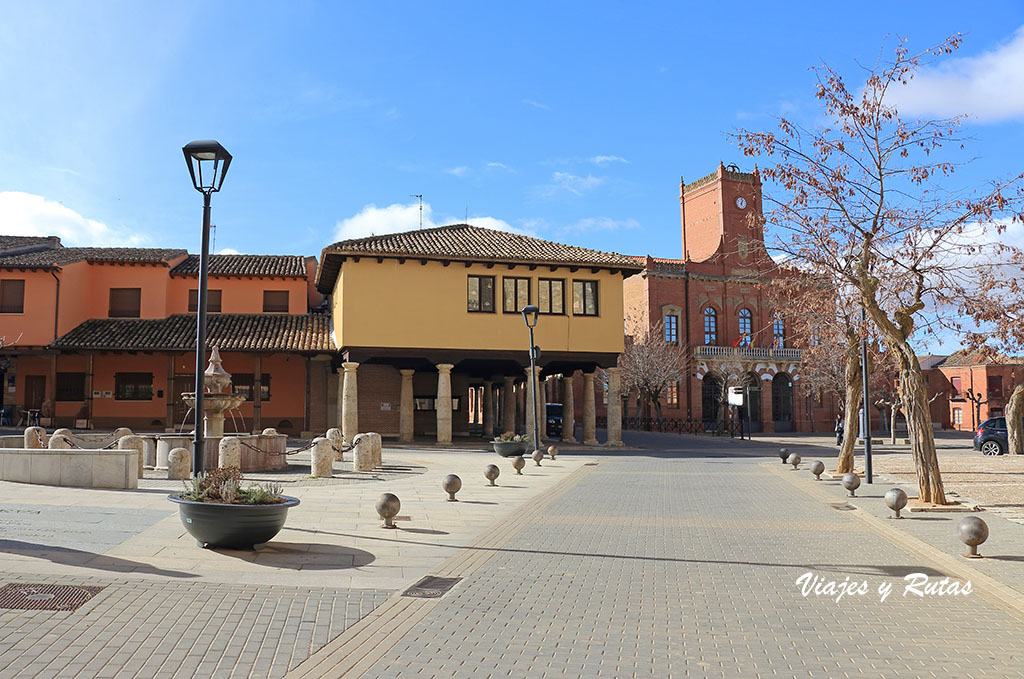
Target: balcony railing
column 747, row 353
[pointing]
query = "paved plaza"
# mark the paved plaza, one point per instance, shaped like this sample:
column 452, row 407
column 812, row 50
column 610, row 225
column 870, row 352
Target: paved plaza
column 677, row 557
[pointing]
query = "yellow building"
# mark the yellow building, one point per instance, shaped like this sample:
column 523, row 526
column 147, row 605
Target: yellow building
column 430, row 322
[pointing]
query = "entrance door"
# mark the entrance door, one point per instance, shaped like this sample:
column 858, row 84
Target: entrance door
column 35, row 391
column 752, row 386
column 710, row 400
column 782, row 402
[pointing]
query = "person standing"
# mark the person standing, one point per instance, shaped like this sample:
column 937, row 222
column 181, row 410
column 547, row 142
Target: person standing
column 839, row 430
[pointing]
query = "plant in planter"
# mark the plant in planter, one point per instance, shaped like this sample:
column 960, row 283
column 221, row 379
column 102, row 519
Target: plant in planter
column 219, row 512
column 510, row 444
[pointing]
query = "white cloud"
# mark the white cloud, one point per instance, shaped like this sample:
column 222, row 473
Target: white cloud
column 373, row 220
column 536, row 104
column 602, row 224
column 228, row 251
column 570, row 183
column 605, row 160
column 500, row 166
column 989, row 87
column 26, row 214
column 460, row 171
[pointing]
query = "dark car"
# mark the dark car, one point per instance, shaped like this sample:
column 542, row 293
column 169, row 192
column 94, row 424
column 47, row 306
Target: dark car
column 554, row 417
column 991, row 438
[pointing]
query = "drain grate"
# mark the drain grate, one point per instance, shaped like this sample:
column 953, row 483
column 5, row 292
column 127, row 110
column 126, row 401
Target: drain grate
column 431, row 587
column 842, row 506
column 29, row 597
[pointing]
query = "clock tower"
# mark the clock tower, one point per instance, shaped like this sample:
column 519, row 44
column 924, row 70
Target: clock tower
column 721, row 215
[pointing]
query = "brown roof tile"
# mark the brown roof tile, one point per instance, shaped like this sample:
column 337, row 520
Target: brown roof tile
column 245, row 265
column 60, row 256
column 976, row 357
column 464, row 242
column 230, row 332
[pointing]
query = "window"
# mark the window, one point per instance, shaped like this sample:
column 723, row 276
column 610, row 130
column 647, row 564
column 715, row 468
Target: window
column 125, row 302
column 243, row 384
column 778, row 332
column 995, row 386
column 672, row 395
column 516, row 294
column 430, row 403
column 672, row 329
column 958, row 416
column 551, row 296
column 746, row 327
column 956, row 387
column 133, row 386
column 70, row 387
column 275, row 301
column 480, row 294
column 710, row 326
column 12, row 296
column 584, row 298
column 212, row 301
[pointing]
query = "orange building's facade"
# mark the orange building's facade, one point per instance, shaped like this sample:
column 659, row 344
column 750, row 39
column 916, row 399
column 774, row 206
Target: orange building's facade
column 971, row 387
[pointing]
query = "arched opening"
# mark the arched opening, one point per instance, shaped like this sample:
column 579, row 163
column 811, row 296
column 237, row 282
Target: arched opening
column 782, row 402
column 710, row 398
column 752, row 392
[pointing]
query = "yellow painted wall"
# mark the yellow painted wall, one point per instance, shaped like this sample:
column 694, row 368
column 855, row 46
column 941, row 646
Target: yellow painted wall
column 414, row 305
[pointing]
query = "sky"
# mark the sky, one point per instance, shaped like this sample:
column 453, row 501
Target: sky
column 571, row 121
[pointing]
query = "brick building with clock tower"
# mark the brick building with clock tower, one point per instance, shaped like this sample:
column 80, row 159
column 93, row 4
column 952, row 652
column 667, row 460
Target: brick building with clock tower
column 713, row 307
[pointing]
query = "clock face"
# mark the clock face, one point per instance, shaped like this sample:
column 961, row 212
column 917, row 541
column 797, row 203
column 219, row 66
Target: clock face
column 741, row 202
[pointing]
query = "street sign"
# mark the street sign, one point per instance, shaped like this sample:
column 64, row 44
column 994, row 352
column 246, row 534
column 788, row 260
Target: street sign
column 735, row 396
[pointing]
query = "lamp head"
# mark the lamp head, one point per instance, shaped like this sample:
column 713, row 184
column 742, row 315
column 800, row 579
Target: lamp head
column 208, row 163
column 530, row 314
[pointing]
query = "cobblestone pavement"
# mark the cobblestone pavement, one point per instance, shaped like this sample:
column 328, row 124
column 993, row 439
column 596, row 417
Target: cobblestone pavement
column 661, row 566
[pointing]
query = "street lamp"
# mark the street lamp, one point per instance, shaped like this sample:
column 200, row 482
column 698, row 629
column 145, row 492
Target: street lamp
column 207, row 162
column 530, row 315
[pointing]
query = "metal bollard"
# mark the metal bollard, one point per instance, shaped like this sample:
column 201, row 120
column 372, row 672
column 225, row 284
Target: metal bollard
column 537, row 456
column 518, row 462
column 972, row 532
column 817, row 467
column 387, row 507
column 896, row 500
column 452, row 484
column 794, row 460
column 491, row 473
column 851, row 482
column 784, row 454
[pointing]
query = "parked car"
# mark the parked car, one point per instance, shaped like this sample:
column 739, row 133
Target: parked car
column 991, row 437
column 554, row 417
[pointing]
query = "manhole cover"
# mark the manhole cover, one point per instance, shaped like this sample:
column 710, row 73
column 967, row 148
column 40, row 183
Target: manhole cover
column 431, row 587
column 842, row 506
column 27, row 597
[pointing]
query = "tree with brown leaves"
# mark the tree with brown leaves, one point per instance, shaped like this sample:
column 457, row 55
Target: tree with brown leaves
column 862, row 199
column 649, row 364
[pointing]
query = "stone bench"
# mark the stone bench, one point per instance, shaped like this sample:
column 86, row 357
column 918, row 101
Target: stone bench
column 70, row 467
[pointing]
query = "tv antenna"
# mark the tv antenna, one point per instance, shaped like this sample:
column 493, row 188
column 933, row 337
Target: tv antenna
column 420, row 196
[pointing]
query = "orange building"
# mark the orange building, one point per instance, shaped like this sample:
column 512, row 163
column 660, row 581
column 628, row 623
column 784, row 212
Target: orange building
column 106, row 336
column 972, row 387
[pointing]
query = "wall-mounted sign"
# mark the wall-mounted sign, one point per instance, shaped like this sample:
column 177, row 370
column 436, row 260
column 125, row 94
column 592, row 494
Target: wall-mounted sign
column 385, row 406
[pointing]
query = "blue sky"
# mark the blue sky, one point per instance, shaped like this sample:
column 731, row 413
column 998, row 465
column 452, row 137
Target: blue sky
column 570, row 121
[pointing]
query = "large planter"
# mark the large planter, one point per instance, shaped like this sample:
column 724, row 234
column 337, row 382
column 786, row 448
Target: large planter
column 235, row 526
column 509, row 448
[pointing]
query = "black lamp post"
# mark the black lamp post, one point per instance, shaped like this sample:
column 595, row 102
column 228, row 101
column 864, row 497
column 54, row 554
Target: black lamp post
column 530, row 314
column 207, row 162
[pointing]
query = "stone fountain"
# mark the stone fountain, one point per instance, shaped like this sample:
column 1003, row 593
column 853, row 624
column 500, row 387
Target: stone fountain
column 217, row 399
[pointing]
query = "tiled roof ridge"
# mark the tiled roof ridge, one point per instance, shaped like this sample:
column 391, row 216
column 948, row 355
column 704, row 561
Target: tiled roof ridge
column 240, row 264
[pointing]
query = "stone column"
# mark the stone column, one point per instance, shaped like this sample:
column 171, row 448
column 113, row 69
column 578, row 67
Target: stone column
column 568, row 411
column 444, row 403
column 406, row 412
column 488, row 403
column 508, row 414
column 589, row 411
column 614, row 407
column 349, row 402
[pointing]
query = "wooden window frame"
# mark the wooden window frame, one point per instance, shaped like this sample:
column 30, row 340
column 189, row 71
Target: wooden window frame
column 549, row 281
column 11, row 283
column 480, row 299
column 211, row 295
column 287, row 306
column 244, row 383
column 584, row 284
column 515, row 299
column 63, row 389
column 118, row 377
column 131, row 313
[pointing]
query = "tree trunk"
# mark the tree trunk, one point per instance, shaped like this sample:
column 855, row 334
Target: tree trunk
column 894, row 409
column 1014, row 412
column 919, row 429
column 851, row 423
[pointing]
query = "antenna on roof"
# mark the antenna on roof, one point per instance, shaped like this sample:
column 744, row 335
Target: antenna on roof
column 420, row 196
column 467, row 215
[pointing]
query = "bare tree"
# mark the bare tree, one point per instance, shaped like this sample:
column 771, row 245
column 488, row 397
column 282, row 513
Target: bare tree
column 650, row 364
column 861, row 199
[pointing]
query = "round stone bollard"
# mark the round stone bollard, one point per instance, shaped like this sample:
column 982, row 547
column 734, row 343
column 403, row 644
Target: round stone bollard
column 337, row 442
column 817, row 467
column 794, row 460
column 59, row 441
column 896, row 499
column 377, row 446
column 491, row 473
column 121, row 432
column 452, row 484
column 784, row 454
column 35, row 437
column 179, row 464
column 537, row 456
column 62, row 431
column 972, row 532
column 851, row 482
column 133, row 442
column 322, row 456
column 269, row 431
column 362, row 453
column 518, row 462
column 229, row 452
column 387, row 507
column 552, row 451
